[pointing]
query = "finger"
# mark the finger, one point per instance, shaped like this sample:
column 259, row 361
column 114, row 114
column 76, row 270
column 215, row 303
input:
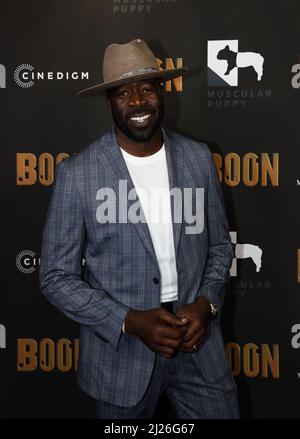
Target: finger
column 182, row 315
column 195, row 341
column 168, row 332
column 198, row 337
column 170, row 342
column 193, row 329
column 189, row 347
column 171, row 319
column 163, row 350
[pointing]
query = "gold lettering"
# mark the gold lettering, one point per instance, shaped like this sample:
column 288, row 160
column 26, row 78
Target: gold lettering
column 218, row 162
column 254, row 169
column 250, row 169
column 47, row 354
column 169, row 64
column 26, row 354
column 251, row 360
column 177, row 81
column 46, row 169
column 64, row 355
column 232, row 169
column 76, row 352
column 270, row 360
column 268, row 169
column 233, row 352
column 26, row 173
column 60, row 157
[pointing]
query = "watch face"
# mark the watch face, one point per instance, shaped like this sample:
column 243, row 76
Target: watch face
column 213, row 310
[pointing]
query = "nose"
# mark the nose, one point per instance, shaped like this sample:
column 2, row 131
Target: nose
column 136, row 98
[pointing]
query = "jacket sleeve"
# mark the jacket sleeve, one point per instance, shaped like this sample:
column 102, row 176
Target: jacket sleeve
column 220, row 247
column 64, row 237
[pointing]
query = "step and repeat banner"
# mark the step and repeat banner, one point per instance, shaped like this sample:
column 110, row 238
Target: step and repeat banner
column 241, row 96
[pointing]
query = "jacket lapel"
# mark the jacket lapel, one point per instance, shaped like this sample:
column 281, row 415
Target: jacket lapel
column 113, row 161
column 174, row 156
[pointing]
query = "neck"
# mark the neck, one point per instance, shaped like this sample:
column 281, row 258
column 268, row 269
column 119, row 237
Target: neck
column 139, row 149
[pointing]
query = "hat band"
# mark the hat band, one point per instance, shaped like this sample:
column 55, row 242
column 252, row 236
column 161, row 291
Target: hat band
column 140, row 72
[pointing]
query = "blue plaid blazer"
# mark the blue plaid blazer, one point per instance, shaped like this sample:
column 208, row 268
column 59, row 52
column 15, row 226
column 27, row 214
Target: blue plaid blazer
column 120, row 265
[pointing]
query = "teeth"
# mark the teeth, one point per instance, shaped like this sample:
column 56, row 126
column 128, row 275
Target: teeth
column 140, row 119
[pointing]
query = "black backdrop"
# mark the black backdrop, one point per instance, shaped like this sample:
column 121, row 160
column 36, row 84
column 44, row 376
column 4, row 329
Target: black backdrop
column 252, row 128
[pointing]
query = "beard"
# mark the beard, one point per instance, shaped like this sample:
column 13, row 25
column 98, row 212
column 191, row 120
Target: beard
column 139, row 134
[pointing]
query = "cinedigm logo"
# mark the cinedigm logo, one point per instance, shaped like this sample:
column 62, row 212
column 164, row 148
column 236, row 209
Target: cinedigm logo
column 224, row 61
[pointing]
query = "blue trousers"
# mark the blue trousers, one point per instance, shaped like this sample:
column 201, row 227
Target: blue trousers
column 180, row 380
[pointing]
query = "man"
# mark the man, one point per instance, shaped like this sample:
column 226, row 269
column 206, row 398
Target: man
column 150, row 293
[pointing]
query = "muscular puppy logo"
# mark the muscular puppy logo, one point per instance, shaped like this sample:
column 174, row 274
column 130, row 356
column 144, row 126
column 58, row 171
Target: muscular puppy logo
column 242, row 59
column 224, row 59
column 245, row 251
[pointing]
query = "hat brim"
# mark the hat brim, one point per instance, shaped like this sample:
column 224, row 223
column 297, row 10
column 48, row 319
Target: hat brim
column 101, row 88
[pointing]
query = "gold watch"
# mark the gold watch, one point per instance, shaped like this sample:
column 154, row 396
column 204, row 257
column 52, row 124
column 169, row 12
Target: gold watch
column 213, row 310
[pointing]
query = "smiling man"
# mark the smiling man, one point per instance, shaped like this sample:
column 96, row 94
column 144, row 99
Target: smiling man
column 137, row 109
column 150, row 294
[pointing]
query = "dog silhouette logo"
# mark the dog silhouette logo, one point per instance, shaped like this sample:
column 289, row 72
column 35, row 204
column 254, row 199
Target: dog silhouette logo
column 2, row 76
column 224, row 61
column 245, row 251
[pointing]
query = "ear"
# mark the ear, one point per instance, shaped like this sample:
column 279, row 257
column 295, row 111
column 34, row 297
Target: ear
column 227, row 47
column 108, row 103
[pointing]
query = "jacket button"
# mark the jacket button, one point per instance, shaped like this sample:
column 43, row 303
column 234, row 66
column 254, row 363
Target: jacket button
column 155, row 280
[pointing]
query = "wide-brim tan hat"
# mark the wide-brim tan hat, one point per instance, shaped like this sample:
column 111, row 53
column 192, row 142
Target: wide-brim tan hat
column 129, row 62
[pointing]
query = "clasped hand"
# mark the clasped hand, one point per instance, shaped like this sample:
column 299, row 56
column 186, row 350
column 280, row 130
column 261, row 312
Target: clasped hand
column 166, row 333
column 196, row 315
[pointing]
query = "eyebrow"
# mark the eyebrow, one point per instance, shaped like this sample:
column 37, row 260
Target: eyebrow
column 123, row 87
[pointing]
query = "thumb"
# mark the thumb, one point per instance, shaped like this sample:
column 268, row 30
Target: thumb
column 181, row 320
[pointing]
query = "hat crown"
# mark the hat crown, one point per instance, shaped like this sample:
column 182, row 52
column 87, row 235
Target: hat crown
column 125, row 60
column 130, row 62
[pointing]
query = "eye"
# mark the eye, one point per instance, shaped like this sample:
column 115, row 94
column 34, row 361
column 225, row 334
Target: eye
column 147, row 90
column 122, row 93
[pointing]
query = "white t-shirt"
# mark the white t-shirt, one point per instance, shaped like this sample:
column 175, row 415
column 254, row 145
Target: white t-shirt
column 150, row 178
